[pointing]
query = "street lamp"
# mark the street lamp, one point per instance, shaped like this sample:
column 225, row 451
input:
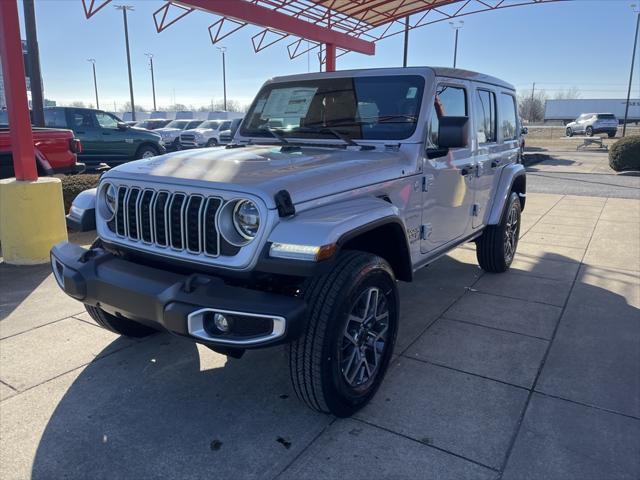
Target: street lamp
column 153, row 83
column 95, row 81
column 124, row 9
column 636, row 10
column 456, row 26
column 224, row 75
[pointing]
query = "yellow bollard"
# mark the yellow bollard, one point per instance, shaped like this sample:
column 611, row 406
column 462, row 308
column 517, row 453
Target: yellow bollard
column 31, row 219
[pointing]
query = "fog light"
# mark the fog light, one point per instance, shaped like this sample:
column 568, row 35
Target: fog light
column 221, row 322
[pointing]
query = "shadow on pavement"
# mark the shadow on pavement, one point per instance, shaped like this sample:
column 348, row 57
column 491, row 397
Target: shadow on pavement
column 166, row 408
column 17, row 283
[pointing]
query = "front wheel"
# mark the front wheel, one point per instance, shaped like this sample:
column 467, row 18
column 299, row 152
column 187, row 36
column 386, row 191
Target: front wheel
column 611, row 134
column 497, row 245
column 340, row 360
column 147, row 151
column 212, row 142
column 569, row 132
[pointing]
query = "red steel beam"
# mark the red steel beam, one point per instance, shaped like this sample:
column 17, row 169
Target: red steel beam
column 265, row 17
column 24, row 157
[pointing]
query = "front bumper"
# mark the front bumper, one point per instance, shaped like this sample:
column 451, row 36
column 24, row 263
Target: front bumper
column 181, row 304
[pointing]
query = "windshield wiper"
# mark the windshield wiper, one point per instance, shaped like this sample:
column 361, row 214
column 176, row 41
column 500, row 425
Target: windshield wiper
column 323, row 129
column 275, row 133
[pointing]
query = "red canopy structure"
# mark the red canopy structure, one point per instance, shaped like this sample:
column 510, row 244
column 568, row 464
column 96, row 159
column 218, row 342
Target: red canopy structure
column 333, row 26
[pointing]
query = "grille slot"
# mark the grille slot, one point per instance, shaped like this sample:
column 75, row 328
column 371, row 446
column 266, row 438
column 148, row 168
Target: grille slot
column 180, row 221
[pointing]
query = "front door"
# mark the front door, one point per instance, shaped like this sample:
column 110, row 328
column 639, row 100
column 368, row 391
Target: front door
column 447, row 192
column 116, row 142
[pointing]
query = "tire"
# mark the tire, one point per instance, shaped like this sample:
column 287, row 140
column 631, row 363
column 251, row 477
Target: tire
column 497, row 246
column 146, row 151
column 119, row 325
column 569, row 132
column 589, row 132
column 611, row 134
column 212, row 143
column 331, row 336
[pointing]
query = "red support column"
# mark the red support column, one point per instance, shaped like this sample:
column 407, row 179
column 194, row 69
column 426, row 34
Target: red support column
column 331, row 57
column 24, row 158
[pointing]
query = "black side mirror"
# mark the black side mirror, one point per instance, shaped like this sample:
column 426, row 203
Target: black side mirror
column 524, row 131
column 453, row 132
column 122, row 126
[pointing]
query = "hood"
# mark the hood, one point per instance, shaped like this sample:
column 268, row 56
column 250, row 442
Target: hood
column 198, row 130
column 307, row 173
column 166, row 130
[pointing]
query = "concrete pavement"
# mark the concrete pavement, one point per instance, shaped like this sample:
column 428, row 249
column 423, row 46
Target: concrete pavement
column 532, row 374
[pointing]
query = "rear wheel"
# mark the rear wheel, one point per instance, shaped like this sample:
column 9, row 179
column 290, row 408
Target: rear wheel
column 119, row 325
column 589, row 132
column 569, row 132
column 497, row 246
column 339, row 362
column 611, row 134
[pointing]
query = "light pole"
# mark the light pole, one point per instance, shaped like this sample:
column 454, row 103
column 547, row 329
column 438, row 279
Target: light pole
column 456, row 26
column 633, row 59
column 95, row 80
column 153, row 82
column 124, row 9
column 224, row 75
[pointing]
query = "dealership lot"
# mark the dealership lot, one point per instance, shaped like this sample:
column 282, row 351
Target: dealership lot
column 533, row 373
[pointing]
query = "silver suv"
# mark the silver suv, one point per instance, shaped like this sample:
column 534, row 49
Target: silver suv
column 592, row 123
column 337, row 186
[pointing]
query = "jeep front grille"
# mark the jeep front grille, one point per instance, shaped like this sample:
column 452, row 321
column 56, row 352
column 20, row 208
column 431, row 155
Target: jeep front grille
column 179, row 221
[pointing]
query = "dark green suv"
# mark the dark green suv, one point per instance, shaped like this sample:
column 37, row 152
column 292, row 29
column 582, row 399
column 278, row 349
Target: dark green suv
column 105, row 138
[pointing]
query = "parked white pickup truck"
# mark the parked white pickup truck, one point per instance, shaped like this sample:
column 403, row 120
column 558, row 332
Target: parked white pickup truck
column 207, row 134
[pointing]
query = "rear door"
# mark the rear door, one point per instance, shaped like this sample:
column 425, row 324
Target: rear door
column 447, row 187
column 489, row 153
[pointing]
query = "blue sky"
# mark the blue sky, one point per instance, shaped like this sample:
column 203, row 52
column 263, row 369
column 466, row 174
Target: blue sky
column 581, row 43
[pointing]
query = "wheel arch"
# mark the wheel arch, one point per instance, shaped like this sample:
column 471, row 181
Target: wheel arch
column 512, row 179
column 146, row 143
column 385, row 238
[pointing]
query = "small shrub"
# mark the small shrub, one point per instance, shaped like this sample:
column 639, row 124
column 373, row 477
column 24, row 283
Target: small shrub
column 72, row 185
column 625, row 154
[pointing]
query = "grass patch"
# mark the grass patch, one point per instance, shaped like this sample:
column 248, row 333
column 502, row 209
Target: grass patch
column 72, row 185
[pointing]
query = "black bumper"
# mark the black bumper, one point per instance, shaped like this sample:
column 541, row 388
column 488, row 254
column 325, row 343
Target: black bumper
column 165, row 300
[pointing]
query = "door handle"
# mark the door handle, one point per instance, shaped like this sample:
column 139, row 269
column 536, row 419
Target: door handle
column 466, row 170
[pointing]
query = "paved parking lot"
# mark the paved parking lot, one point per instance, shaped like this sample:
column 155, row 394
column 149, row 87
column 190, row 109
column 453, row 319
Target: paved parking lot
column 533, row 374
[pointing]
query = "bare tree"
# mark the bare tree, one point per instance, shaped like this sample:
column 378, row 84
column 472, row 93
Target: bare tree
column 126, row 107
column 77, row 104
column 531, row 107
column 568, row 94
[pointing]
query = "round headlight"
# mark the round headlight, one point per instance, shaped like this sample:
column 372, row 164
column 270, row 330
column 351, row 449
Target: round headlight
column 246, row 219
column 108, row 201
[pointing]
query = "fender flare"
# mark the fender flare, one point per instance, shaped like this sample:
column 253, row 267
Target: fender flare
column 508, row 177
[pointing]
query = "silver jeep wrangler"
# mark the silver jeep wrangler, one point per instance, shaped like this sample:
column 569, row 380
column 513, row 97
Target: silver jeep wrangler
column 336, row 186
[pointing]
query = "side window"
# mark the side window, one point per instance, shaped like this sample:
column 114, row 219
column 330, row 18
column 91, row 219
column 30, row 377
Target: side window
column 106, row 121
column 508, row 116
column 192, row 125
column 80, row 119
column 486, row 116
column 449, row 102
column 54, row 117
column 225, row 126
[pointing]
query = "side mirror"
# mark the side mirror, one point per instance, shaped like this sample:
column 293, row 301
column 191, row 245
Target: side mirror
column 453, row 132
column 524, row 131
column 122, row 126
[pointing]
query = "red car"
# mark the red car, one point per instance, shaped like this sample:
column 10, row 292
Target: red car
column 56, row 152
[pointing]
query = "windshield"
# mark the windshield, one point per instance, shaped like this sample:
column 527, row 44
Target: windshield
column 210, row 124
column 178, row 124
column 370, row 108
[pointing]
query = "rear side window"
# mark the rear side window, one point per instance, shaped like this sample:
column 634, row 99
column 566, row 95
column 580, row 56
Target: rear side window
column 55, row 118
column 450, row 102
column 508, row 116
column 486, row 116
column 606, row 116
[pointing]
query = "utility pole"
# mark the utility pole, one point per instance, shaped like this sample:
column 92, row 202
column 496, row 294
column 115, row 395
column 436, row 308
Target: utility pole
column 224, row 75
column 153, row 82
column 124, row 9
column 633, row 59
column 533, row 92
column 406, row 41
column 456, row 26
column 35, row 77
column 95, row 80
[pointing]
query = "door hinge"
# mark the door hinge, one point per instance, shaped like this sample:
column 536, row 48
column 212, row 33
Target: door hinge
column 427, row 181
column 475, row 210
column 425, row 231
